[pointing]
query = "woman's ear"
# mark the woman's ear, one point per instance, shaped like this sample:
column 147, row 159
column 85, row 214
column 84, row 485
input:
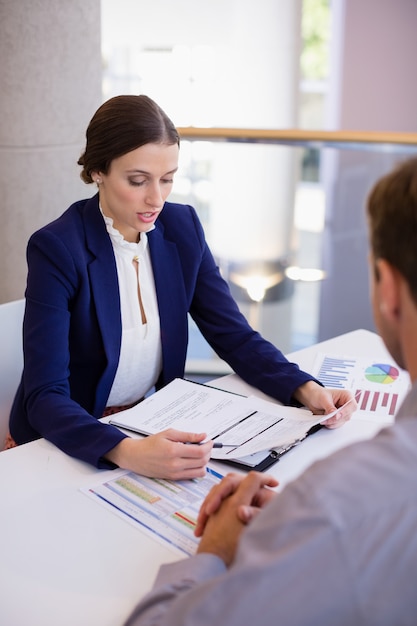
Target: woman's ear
column 96, row 176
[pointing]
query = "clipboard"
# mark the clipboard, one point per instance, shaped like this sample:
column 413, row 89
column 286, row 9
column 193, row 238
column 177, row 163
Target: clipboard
column 272, row 457
column 197, row 407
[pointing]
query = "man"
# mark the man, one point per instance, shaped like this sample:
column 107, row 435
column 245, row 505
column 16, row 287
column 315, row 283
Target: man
column 339, row 544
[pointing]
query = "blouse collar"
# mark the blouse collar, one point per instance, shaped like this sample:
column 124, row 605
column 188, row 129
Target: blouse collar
column 120, row 243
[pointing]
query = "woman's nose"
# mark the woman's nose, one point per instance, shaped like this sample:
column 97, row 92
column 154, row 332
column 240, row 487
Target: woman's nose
column 154, row 196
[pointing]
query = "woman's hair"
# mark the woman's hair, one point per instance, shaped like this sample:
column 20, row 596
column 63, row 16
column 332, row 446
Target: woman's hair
column 392, row 215
column 121, row 125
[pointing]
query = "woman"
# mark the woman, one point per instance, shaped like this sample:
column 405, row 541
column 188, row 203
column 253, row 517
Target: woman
column 110, row 284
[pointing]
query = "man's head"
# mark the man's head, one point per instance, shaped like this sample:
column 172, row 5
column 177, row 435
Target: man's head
column 392, row 215
column 392, row 212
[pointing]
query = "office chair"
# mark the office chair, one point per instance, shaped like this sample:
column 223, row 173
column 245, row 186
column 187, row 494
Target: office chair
column 11, row 363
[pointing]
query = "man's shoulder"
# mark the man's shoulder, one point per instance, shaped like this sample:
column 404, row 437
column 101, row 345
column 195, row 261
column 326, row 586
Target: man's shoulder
column 359, row 476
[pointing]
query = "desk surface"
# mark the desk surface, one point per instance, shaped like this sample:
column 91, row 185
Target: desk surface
column 66, row 560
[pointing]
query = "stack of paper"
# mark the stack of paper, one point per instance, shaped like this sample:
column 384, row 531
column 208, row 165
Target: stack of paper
column 239, row 426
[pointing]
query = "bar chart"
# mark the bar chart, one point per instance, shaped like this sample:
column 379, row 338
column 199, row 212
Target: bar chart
column 378, row 387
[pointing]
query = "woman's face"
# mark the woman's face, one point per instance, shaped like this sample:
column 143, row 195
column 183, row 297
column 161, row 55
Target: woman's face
column 136, row 186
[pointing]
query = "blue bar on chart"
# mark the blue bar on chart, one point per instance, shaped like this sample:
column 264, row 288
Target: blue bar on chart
column 335, row 372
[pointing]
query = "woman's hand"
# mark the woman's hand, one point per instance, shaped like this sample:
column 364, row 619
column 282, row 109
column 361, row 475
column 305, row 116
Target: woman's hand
column 322, row 401
column 171, row 454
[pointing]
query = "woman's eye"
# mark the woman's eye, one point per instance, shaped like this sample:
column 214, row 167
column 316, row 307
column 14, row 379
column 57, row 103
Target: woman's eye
column 139, row 183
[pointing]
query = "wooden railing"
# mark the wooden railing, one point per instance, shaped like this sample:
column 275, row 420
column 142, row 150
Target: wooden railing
column 342, row 138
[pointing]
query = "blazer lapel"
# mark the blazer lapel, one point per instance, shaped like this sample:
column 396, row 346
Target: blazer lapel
column 104, row 286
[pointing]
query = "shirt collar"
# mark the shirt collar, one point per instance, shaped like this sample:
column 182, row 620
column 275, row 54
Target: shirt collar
column 119, row 242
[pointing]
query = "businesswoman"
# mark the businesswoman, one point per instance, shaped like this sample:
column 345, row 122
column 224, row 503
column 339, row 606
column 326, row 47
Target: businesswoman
column 109, row 287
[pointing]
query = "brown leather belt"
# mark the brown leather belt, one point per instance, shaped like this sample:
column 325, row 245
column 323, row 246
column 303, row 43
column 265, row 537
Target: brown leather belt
column 111, row 410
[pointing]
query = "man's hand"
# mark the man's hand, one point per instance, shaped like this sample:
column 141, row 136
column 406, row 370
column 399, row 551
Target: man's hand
column 227, row 509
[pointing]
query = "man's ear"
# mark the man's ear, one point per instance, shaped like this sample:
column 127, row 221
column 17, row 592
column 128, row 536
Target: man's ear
column 389, row 289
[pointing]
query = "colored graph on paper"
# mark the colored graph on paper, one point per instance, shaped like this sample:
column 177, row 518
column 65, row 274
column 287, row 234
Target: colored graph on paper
column 165, row 509
column 378, row 385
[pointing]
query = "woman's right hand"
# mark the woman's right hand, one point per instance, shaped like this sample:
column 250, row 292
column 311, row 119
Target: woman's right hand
column 169, row 454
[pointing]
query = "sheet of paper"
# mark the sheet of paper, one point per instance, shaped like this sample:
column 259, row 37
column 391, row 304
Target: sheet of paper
column 243, row 426
column 378, row 385
column 271, row 426
column 187, row 406
column 164, row 509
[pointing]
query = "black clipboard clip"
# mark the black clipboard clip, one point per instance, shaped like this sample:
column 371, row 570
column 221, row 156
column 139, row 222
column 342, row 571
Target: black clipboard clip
column 273, row 455
column 277, row 453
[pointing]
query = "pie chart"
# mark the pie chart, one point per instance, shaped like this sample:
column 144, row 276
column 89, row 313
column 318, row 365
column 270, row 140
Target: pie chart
column 381, row 373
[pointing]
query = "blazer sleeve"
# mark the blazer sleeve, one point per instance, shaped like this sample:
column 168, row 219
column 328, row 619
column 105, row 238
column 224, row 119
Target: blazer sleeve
column 61, row 336
column 217, row 315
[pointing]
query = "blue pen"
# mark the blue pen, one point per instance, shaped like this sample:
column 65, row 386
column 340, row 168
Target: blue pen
column 216, row 444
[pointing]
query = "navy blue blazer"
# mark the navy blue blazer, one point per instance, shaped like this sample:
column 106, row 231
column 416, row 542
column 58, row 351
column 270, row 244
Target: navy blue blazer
column 72, row 326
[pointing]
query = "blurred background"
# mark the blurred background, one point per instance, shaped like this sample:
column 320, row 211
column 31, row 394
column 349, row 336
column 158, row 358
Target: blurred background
column 284, row 217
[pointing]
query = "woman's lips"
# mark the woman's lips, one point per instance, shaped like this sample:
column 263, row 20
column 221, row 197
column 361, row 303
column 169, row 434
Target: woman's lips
column 147, row 218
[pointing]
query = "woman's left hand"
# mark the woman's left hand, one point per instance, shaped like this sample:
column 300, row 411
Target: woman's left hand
column 321, row 401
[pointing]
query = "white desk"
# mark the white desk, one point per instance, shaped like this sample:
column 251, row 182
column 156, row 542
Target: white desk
column 65, row 560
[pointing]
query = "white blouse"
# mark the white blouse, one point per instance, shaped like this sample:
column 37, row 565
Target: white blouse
column 140, row 361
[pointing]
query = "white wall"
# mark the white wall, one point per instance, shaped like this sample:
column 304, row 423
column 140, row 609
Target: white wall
column 50, row 77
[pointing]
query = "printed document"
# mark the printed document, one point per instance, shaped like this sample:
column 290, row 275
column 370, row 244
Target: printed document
column 378, row 385
column 238, row 425
column 166, row 510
